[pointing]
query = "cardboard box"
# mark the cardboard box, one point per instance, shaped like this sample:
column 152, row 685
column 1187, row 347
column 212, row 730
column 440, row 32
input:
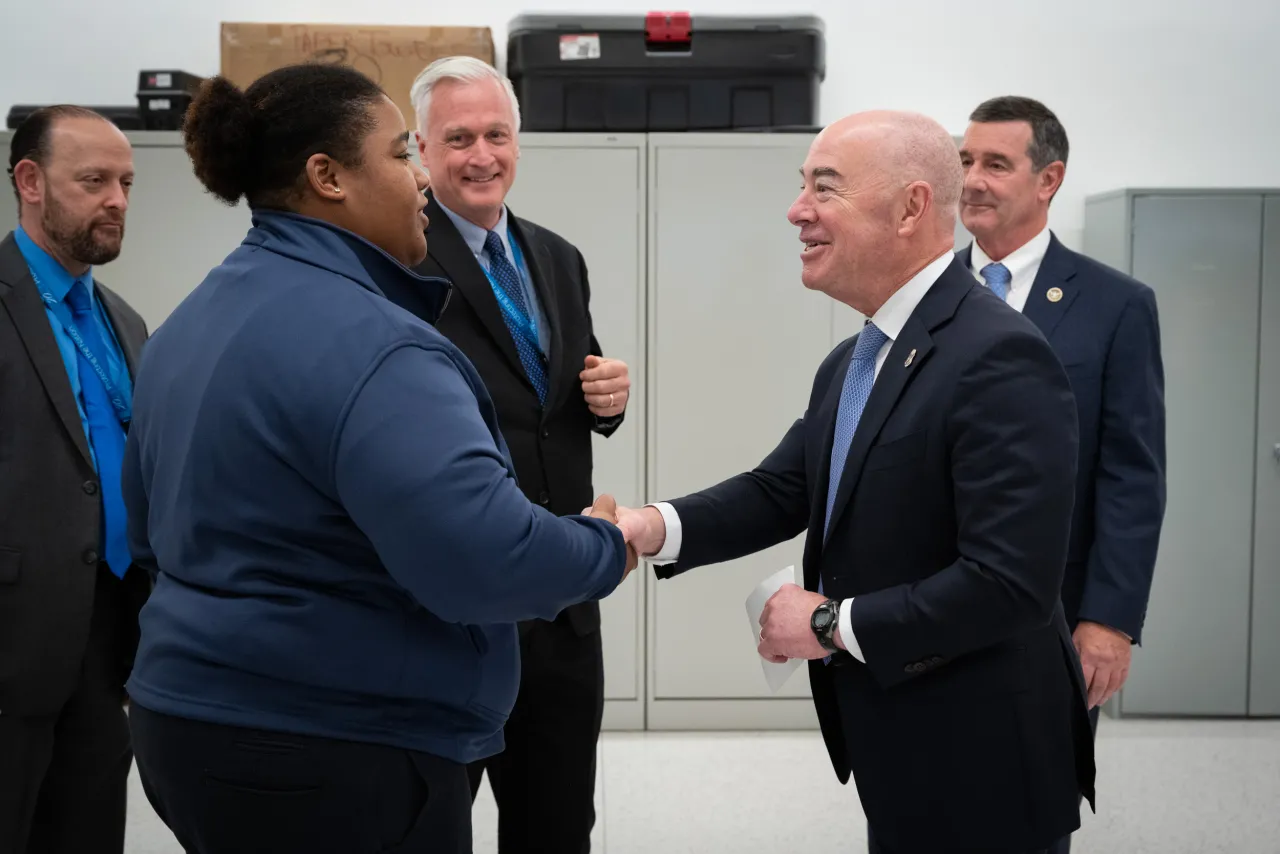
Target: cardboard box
column 391, row 56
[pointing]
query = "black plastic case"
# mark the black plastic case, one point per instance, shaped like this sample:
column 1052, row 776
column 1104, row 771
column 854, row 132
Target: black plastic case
column 666, row 72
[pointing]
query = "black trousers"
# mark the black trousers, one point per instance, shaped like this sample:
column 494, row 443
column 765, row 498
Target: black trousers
column 64, row 777
column 228, row 790
column 545, row 780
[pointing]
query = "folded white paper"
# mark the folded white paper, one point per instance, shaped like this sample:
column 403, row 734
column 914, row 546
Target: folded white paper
column 774, row 674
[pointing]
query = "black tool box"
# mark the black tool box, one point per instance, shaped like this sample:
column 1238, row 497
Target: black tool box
column 163, row 98
column 665, row 71
column 124, row 117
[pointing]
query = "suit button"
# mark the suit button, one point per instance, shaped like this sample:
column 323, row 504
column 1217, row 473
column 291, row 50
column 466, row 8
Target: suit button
column 90, row 488
column 546, row 434
column 90, row 556
column 544, row 498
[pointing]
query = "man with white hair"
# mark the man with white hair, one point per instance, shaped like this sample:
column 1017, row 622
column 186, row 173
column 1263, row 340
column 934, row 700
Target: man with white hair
column 934, row 471
column 521, row 314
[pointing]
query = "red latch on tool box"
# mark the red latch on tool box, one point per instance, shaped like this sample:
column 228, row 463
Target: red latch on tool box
column 667, row 28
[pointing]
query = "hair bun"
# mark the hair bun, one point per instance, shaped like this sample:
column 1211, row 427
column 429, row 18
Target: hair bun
column 222, row 134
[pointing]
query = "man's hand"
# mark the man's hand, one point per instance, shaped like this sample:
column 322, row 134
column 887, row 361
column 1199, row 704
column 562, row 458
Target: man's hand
column 606, row 386
column 644, row 528
column 607, row 508
column 784, row 626
column 1105, row 655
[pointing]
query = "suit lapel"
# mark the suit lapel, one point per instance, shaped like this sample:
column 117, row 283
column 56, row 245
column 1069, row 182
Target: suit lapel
column 825, row 418
column 915, row 341
column 906, row 358
column 538, row 256
column 27, row 311
column 130, row 344
column 460, row 266
column 1057, row 270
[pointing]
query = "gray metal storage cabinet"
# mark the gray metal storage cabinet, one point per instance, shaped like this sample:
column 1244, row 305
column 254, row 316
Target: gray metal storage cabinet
column 1212, row 642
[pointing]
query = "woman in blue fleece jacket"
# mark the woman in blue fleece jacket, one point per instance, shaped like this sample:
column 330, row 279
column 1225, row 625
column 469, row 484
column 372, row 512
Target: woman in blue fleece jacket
column 316, row 480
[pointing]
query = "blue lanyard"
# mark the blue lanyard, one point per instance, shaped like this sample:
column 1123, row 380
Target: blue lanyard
column 118, row 401
column 521, row 321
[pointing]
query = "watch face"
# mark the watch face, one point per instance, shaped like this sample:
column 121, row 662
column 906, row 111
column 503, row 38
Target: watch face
column 822, row 618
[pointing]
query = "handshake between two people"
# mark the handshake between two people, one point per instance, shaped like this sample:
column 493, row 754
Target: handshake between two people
column 631, row 523
column 786, row 630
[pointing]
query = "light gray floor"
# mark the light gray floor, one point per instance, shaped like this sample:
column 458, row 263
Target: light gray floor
column 1164, row 787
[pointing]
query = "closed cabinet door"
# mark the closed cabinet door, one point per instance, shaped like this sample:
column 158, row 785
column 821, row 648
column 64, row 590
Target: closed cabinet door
column 590, row 190
column 1264, row 658
column 736, row 339
column 1202, row 256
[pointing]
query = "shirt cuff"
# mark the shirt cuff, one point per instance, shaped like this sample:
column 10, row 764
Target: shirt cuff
column 846, row 631
column 670, row 551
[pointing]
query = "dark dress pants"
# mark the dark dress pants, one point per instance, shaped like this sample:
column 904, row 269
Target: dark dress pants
column 64, row 777
column 545, row 780
column 230, row 790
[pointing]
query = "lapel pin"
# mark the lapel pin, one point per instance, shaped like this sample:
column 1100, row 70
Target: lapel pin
column 1054, row 294
column 910, row 356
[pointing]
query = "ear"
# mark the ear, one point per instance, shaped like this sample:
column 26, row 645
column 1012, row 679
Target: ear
column 30, row 179
column 917, row 201
column 1050, row 180
column 323, row 178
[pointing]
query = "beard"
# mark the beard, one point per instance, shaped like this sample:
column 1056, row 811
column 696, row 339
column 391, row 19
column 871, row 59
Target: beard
column 80, row 241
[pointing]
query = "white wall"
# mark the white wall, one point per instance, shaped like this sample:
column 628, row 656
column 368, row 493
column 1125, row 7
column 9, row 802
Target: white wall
column 1174, row 93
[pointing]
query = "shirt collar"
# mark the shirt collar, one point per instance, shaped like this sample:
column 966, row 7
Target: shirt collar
column 474, row 235
column 1019, row 261
column 51, row 277
column 898, row 308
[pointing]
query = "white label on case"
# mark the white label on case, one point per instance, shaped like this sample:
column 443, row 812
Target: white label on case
column 579, row 47
column 164, row 81
column 159, row 104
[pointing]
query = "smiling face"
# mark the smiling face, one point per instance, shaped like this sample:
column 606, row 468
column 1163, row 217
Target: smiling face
column 843, row 213
column 470, row 148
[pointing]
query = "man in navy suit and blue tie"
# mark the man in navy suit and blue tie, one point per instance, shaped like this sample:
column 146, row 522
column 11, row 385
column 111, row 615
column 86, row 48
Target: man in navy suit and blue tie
column 1104, row 327
column 933, row 471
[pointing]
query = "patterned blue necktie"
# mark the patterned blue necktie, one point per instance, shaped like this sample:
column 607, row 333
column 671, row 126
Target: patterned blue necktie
column 105, row 432
column 998, row 278
column 858, row 381
column 853, row 398
column 509, row 280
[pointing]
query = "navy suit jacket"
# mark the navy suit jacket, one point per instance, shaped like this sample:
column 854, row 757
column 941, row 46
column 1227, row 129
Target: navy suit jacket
column 1106, row 333
column 967, row 725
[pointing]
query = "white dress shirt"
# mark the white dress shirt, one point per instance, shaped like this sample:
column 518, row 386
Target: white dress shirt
column 890, row 319
column 1022, row 263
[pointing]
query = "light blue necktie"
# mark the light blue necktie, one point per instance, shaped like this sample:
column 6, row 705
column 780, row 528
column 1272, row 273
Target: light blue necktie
column 858, row 381
column 853, row 399
column 998, row 278
column 509, row 280
column 105, row 432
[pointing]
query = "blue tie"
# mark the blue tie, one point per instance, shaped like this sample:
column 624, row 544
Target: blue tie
column 105, row 432
column 858, row 381
column 853, row 399
column 998, row 278
column 509, row 280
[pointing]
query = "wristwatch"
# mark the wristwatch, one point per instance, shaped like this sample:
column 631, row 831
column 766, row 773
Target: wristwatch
column 825, row 622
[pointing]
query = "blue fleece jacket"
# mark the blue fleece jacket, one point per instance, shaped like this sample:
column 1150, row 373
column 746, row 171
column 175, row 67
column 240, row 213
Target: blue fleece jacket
column 316, row 479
